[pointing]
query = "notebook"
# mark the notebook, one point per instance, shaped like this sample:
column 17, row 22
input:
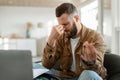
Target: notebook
column 15, row 65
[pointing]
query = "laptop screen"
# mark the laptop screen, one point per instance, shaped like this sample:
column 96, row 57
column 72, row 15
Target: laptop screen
column 15, row 65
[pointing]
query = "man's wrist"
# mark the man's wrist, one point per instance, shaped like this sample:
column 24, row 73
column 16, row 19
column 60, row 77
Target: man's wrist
column 51, row 43
column 89, row 63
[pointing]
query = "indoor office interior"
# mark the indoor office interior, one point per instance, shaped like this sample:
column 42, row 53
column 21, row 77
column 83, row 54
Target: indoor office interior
column 26, row 25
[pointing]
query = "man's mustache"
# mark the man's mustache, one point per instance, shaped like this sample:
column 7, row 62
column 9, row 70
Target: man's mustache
column 66, row 30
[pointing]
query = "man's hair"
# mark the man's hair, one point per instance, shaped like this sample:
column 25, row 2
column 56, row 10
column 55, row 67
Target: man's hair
column 67, row 8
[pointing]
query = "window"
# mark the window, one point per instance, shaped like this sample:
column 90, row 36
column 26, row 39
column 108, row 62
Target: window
column 89, row 15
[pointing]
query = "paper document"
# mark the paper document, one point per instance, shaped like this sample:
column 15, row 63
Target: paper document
column 38, row 69
column 37, row 72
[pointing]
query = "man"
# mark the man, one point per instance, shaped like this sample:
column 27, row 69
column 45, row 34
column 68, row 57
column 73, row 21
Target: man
column 80, row 50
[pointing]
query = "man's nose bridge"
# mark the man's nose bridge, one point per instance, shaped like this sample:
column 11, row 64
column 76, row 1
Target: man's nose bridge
column 65, row 28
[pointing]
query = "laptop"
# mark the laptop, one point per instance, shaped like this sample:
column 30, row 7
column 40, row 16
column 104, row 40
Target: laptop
column 15, row 65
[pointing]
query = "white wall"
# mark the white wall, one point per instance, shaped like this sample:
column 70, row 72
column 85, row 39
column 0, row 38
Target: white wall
column 14, row 19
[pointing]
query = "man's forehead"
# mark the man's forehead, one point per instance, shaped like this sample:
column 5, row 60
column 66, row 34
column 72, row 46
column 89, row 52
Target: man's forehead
column 64, row 18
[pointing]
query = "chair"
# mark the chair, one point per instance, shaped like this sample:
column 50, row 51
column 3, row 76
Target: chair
column 112, row 64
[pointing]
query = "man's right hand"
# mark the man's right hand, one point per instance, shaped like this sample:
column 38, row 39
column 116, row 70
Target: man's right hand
column 55, row 33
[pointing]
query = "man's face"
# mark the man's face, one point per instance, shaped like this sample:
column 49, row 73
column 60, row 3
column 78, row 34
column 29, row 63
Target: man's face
column 69, row 25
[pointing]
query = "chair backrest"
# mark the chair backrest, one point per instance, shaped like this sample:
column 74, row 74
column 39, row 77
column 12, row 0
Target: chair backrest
column 112, row 64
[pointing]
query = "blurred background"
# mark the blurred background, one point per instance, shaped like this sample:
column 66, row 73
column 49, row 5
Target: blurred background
column 26, row 24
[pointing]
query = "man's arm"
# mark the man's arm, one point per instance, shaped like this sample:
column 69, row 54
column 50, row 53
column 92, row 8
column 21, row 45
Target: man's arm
column 96, row 62
column 93, row 53
column 50, row 56
column 53, row 47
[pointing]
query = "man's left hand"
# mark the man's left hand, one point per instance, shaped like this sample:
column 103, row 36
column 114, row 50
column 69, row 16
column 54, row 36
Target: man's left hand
column 89, row 52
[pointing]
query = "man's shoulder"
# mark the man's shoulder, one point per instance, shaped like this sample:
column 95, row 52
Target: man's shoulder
column 92, row 31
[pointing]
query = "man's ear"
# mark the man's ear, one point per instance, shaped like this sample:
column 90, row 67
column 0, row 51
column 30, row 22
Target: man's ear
column 76, row 18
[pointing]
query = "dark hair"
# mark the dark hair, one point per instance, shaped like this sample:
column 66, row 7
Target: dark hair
column 67, row 8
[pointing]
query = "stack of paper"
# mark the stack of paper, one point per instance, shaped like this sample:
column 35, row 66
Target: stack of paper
column 38, row 70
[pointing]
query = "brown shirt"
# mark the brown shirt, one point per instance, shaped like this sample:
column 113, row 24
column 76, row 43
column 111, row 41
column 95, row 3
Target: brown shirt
column 63, row 52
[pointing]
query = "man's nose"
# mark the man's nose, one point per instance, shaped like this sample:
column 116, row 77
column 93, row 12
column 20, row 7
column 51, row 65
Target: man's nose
column 65, row 27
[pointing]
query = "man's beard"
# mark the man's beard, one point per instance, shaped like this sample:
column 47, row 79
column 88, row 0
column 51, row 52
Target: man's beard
column 73, row 31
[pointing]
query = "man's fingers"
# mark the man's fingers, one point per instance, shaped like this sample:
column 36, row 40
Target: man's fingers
column 92, row 44
column 89, row 46
column 59, row 29
column 89, row 53
column 92, row 48
column 92, row 52
column 84, row 57
column 85, row 43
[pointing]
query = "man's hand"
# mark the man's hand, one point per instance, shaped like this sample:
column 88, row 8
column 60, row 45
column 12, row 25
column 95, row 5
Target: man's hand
column 89, row 52
column 55, row 33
